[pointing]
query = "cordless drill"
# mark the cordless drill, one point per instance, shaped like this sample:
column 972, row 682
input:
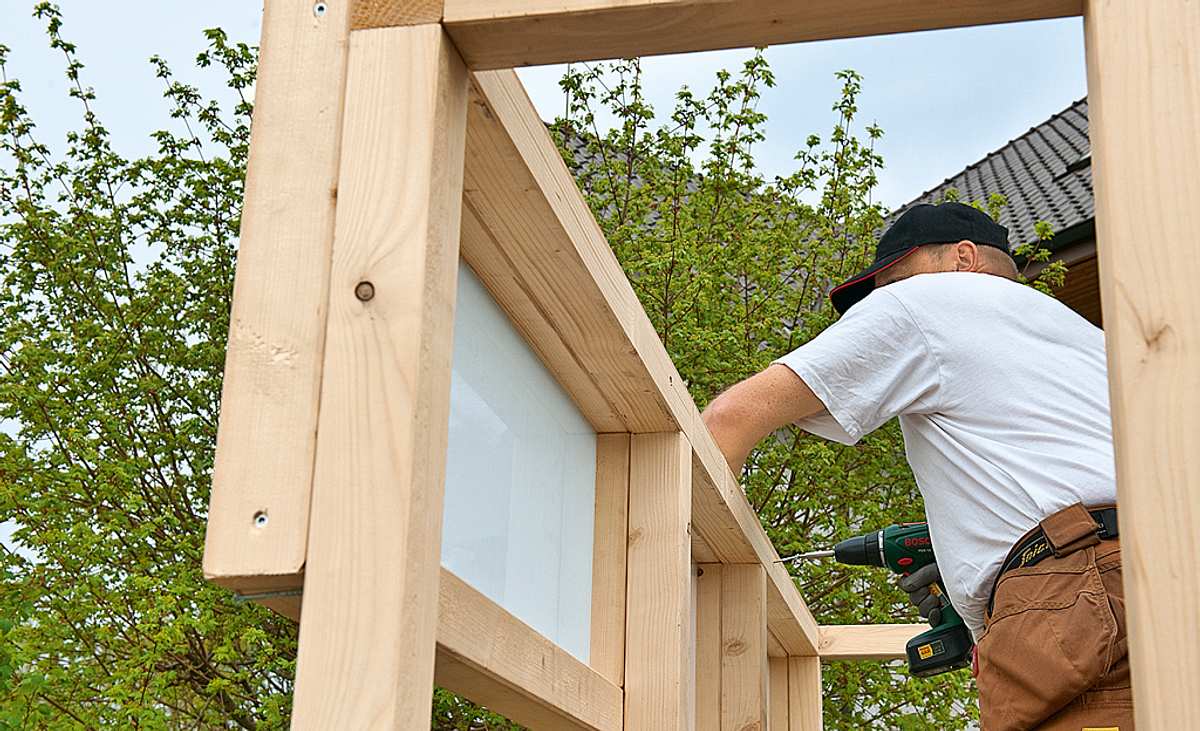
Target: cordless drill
column 903, row 549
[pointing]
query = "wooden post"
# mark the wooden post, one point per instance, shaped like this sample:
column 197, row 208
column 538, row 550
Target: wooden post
column 262, row 473
column 658, row 677
column 743, row 648
column 778, row 717
column 804, row 694
column 367, row 632
column 1144, row 104
column 610, row 537
column 708, row 647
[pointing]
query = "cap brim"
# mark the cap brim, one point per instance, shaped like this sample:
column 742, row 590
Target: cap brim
column 846, row 294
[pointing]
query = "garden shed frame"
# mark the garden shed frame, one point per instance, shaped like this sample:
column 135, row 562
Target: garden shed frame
column 390, row 137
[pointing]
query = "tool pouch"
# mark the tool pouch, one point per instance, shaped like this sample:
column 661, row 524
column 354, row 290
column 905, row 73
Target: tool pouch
column 1070, row 529
column 1052, row 633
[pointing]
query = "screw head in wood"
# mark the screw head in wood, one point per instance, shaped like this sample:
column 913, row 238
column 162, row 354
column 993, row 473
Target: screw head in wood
column 364, row 291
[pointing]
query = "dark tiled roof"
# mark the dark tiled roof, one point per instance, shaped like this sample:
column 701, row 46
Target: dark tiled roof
column 1045, row 174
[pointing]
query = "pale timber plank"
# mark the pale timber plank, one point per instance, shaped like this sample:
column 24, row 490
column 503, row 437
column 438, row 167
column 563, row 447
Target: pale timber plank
column 386, row 13
column 723, row 518
column 867, row 641
column 607, row 648
column 269, row 398
column 744, row 670
column 519, row 189
column 775, row 647
column 658, row 623
column 489, row 656
column 779, row 694
column 708, row 647
column 804, row 694
column 367, row 631
column 1144, row 97
column 505, row 33
column 525, row 214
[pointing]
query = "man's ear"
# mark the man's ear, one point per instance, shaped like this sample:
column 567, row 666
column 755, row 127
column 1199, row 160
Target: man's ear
column 966, row 256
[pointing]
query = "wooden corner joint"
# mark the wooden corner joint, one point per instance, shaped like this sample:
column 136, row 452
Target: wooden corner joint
column 391, row 13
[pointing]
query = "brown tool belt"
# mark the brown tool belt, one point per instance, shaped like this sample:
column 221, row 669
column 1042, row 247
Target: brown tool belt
column 1038, row 545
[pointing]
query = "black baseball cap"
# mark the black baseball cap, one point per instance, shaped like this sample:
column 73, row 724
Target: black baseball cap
column 922, row 224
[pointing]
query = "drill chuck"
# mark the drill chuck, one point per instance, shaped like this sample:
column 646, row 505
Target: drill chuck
column 864, row 550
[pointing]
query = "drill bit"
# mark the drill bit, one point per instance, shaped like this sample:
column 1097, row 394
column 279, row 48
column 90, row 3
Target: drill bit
column 809, row 555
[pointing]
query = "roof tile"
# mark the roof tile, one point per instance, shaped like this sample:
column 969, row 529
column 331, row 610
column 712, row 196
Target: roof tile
column 1033, row 173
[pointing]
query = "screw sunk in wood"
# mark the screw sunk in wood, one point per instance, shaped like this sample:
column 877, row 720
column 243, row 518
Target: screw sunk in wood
column 364, row 291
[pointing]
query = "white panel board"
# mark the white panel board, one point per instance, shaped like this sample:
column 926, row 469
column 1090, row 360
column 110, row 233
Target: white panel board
column 520, row 477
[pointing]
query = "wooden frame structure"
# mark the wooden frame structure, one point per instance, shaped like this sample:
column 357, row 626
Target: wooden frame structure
column 390, row 138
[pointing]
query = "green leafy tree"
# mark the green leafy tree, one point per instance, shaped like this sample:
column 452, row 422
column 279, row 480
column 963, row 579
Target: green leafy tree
column 116, row 281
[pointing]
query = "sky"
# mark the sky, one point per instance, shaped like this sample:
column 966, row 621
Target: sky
column 943, row 98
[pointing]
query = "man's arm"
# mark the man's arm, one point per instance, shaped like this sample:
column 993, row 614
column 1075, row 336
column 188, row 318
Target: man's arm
column 745, row 413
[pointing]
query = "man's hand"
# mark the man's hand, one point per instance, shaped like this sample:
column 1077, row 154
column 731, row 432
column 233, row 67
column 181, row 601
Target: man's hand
column 919, row 585
column 741, row 416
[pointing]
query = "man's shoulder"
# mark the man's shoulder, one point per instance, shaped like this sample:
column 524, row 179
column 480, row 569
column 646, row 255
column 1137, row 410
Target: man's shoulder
column 944, row 284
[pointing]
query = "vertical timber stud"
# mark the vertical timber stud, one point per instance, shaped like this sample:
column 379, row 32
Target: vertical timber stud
column 368, row 628
column 607, row 648
column 1144, row 94
column 743, row 647
column 779, row 694
column 708, row 647
column 262, row 474
column 804, row 694
column 658, row 633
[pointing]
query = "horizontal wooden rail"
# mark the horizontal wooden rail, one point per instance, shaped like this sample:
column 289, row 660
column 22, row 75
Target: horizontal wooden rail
column 491, row 657
column 867, row 641
column 494, row 34
column 531, row 238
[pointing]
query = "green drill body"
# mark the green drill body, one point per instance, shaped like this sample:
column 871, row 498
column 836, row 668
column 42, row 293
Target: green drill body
column 904, row 548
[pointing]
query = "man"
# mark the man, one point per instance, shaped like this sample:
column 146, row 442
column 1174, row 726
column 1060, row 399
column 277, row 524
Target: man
column 1002, row 396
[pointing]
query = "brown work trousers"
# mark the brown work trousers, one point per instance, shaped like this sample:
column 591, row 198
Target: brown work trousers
column 1053, row 653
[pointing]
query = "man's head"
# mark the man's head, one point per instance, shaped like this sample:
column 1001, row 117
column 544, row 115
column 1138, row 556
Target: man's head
column 964, row 256
column 951, row 237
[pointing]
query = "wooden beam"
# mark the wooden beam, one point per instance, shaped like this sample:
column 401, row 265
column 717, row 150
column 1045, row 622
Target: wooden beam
column 775, row 647
column 262, row 474
column 804, row 694
column 1144, row 103
column 724, row 519
column 779, row 694
column 708, row 647
column 504, row 33
column 519, row 189
column 390, row 13
column 658, row 675
column 744, row 672
column 701, row 553
column 530, row 236
column 867, row 641
column 367, row 631
column 607, row 647
column 489, row 656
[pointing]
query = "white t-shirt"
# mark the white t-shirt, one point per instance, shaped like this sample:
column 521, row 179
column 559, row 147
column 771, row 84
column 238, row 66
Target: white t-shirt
column 1002, row 394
